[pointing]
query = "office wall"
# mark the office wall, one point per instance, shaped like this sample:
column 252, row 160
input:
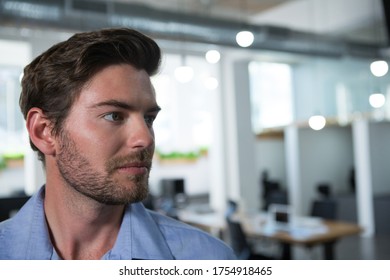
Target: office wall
column 326, row 156
column 195, row 174
column 270, row 156
column 380, row 157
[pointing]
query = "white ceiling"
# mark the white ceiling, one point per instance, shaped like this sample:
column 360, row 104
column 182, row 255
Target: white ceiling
column 362, row 20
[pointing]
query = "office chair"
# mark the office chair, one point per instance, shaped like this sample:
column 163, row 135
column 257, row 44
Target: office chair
column 276, row 197
column 324, row 190
column 231, row 209
column 325, row 209
column 240, row 244
column 9, row 205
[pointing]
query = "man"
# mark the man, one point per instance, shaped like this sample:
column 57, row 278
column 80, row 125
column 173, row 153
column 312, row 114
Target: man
column 89, row 107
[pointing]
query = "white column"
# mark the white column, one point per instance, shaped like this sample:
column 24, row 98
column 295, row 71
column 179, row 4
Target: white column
column 34, row 174
column 229, row 129
column 217, row 155
column 364, row 194
column 248, row 175
column 241, row 176
column 293, row 170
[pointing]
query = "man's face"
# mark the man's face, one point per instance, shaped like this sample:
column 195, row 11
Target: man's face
column 106, row 147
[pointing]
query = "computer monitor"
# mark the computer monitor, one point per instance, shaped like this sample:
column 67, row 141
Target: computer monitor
column 171, row 187
column 173, row 192
column 280, row 216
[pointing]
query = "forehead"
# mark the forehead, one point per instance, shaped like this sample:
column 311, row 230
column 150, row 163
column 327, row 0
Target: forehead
column 119, row 82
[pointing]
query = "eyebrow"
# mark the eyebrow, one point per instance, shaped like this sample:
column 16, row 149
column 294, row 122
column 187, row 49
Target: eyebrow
column 123, row 105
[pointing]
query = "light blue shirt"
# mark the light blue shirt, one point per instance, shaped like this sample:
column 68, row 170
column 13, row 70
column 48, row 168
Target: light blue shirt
column 144, row 235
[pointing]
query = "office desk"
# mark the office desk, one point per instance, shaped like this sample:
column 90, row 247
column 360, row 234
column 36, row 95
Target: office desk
column 211, row 222
column 306, row 231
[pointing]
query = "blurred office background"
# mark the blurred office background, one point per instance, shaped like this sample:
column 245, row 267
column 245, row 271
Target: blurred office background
column 237, row 119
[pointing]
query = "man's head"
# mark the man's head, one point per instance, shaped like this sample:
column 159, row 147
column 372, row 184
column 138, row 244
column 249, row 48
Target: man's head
column 89, row 107
column 54, row 79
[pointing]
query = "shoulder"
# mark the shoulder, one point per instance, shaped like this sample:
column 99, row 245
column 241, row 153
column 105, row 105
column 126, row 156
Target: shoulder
column 3, row 230
column 2, row 239
column 188, row 242
column 10, row 243
column 15, row 233
column 24, row 232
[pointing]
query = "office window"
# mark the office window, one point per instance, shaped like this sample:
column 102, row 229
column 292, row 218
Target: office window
column 271, row 95
column 184, row 124
column 13, row 139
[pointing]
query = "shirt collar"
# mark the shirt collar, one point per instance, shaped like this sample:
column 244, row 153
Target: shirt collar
column 139, row 237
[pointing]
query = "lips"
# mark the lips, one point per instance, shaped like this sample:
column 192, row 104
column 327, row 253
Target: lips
column 134, row 168
column 136, row 162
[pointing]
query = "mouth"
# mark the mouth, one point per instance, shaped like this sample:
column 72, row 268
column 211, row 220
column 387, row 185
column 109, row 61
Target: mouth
column 134, row 168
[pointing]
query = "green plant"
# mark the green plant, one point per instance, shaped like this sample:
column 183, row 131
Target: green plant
column 3, row 164
column 13, row 156
column 193, row 155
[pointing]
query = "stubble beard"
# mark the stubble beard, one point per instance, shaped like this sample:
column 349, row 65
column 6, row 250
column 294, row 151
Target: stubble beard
column 103, row 187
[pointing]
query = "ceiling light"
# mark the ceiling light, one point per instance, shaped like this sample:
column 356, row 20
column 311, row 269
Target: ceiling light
column 213, row 56
column 244, row 38
column 211, row 82
column 379, row 68
column 317, row 122
column 377, row 100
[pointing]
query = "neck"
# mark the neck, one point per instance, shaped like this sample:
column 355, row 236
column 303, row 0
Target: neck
column 80, row 227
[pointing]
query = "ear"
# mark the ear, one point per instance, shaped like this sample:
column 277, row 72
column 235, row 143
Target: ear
column 40, row 131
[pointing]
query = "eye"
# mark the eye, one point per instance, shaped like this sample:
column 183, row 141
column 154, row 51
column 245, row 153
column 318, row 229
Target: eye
column 149, row 120
column 114, row 117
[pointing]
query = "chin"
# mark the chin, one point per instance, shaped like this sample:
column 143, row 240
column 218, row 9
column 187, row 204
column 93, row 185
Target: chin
column 125, row 196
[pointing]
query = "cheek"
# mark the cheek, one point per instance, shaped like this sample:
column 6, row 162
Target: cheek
column 102, row 148
column 93, row 143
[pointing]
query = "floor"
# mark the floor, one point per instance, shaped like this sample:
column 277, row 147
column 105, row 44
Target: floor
column 349, row 248
column 352, row 248
column 364, row 248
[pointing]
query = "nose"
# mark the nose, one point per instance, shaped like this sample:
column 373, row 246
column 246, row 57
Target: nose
column 140, row 135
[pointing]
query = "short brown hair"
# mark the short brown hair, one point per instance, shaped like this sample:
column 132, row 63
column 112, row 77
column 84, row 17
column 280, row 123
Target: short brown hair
column 54, row 79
